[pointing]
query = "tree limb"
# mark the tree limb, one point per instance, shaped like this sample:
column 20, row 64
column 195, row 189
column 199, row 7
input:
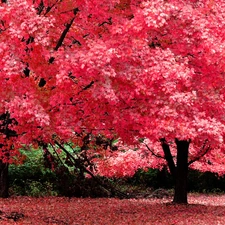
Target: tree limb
column 56, row 154
column 153, row 153
column 203, row 151
column 50, row 7
column 87, row 86
column 66, row 30
column 168, row 156
column 97, row 179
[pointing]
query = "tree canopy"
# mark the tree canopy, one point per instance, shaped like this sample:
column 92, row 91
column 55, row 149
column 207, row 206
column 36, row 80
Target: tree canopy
column 149, row 70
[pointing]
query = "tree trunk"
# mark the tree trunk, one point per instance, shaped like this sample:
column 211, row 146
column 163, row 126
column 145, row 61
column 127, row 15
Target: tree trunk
column 180, row 195
column 4, row 182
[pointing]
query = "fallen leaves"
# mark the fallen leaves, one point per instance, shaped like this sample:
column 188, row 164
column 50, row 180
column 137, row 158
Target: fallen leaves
column 203, row 209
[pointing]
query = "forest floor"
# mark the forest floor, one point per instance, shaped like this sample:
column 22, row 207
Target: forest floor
column 202, row 210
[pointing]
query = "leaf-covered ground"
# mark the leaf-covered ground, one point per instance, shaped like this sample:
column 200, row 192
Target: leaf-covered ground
column 203, row 209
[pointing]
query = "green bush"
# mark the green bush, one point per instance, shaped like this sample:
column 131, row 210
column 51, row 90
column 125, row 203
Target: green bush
column 32, row 178
column 38, row 189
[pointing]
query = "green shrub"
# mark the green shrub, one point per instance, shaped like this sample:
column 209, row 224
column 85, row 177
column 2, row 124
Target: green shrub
column 38, row 189
column 33, row 179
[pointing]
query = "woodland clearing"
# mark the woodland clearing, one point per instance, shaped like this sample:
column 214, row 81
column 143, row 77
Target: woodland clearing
column 202, row 209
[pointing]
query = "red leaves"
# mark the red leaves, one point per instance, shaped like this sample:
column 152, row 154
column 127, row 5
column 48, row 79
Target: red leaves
column 125, row 68
column 202, row 210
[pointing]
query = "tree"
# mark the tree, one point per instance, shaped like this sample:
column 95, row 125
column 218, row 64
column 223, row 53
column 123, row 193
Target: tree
column 134, row 70
column 166, row 82
column 46, row 89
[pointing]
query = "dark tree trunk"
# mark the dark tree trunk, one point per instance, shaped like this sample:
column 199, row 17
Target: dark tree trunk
column 4, row 182
column 168, row 157
column 180, row 195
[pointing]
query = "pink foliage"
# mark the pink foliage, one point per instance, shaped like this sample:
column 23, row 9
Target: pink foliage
column 130, row 69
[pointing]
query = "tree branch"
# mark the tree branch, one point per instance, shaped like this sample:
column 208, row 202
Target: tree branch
column 87, row 86
column 97, row 179
column 50, row 7
column 204, row 150
column 109, row 22
column 66, row 30
column 40, row 7
column 153, row 153
column 57, row 154
column 168, row 156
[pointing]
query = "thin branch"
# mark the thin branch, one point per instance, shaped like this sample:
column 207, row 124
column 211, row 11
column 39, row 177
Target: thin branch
column 41, row 7
column 204, row 151
column 74, row 159
column 109, row 22
column 87, row 87
column 57, row 154
column 153, row 153
column 50, row 7
column 97, row 179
